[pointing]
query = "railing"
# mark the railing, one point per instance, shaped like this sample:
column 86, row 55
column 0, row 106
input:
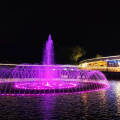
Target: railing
column 108, row 69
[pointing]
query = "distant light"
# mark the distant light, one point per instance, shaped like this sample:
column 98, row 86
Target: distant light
column 84, row 65
column 65, row 69
column 53, row 69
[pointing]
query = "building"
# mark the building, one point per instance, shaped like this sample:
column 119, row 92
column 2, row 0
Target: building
column 109, row 61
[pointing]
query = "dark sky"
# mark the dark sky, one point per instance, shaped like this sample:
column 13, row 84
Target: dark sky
column 25, row 26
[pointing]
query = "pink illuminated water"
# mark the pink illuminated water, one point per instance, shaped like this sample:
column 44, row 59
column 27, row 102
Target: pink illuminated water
column 48, row 59
column 28, row 79
column 48, row 56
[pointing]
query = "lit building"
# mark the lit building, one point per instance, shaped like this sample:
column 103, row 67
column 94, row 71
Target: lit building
column 109, row 61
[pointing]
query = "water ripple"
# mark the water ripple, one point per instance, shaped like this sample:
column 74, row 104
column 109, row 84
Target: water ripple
column 100, row 105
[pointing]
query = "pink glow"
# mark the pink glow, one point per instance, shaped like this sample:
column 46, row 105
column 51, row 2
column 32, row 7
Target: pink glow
column 27, row 79
column 39, row 85
column 58, row 93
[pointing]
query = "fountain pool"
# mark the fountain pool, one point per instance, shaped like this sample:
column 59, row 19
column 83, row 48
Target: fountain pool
column 49, row 78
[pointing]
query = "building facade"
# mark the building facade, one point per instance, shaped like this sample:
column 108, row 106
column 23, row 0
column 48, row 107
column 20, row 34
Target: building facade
column 109, row 61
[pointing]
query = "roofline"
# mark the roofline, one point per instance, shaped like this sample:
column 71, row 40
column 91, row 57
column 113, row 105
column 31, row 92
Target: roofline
column 99, row 58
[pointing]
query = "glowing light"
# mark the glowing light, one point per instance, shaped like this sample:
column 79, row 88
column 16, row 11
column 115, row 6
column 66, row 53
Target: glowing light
column 40, row 86
column 48, row 78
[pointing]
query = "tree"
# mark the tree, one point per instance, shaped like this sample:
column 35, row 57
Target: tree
column 98, row 56
column 68, row 55
column 75, row 53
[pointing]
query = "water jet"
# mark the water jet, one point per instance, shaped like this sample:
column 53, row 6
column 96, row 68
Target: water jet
column 49, row 78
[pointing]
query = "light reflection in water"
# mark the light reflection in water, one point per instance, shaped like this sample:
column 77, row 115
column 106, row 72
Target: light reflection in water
column 99, row 105
column 103, row 98
column 84, row 97
column 48, row 107
column 117, row 89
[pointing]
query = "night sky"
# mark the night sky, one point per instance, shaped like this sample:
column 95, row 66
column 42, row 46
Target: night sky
column 25, row 26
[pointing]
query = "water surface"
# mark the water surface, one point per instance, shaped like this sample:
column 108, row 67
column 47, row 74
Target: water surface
column 100, row 105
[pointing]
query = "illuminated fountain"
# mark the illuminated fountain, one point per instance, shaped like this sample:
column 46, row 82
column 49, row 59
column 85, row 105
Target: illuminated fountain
column 49, row 78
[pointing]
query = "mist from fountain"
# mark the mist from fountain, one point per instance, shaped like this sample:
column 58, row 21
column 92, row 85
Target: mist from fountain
column 49, row 78
column 48, row 54
column 48, row 59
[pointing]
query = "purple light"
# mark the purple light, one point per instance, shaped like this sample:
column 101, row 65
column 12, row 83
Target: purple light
column 48, row 78
column 40, row 86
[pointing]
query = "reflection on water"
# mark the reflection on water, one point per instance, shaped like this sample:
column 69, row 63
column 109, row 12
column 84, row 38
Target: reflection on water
column 95, row 105
column 117, row 90
column 84, row 99
column 48, row 109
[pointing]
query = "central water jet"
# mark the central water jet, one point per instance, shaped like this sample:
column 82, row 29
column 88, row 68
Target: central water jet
column 48, row 59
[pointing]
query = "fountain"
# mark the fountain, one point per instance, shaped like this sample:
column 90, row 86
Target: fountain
column 49, row 78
